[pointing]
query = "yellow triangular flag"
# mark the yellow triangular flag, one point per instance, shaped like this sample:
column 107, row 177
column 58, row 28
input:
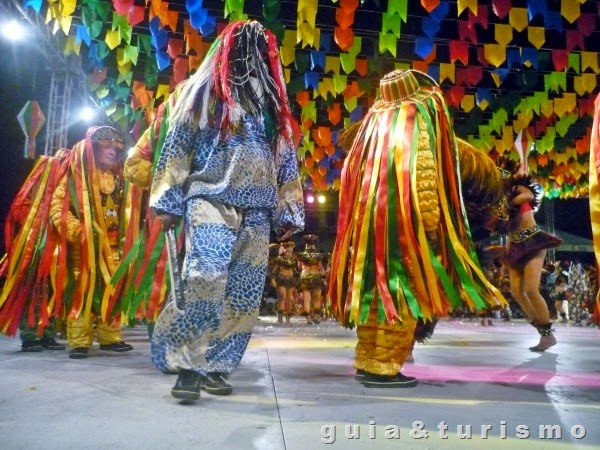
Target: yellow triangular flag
column 162, row 91
column 68, row 7
column 495, row 54
column 468, row 103
column 547, row 108
column 112, row 39
column 589, row 60
column 288, row 55
column 570, row 10
column 537, row 36
column 65, row 24
column 503, row 33
column 340, row 82
column 124, row 68
column 447, row 72
column 578, row 85
column 517, row 17
column 332, row 64
column 471, row 4
column 507, row 136
column 71, row 46
column 589, row 82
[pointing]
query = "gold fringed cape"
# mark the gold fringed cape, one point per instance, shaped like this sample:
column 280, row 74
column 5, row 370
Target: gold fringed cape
column 146, row 293
column 402, row 236
column 86, row 260
column 594, row 186
column 30, row 244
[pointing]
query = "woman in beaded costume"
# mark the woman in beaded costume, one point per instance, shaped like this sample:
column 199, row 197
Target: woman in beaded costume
column 527, row 246
column 312, row 280
column 284, row 274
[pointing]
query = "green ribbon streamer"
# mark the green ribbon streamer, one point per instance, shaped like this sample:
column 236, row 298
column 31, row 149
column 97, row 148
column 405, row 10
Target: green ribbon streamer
column 367, row 287
column 466, row 281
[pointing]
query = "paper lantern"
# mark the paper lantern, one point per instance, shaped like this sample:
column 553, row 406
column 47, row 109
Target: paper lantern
column 31, row 118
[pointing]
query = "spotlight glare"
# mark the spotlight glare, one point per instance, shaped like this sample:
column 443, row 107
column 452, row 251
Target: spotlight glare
column 310, row 198
column 87, row 114
column 321, row 199
column 13, row 31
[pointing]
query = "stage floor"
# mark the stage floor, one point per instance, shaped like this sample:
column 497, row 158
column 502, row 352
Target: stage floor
column 479, row 387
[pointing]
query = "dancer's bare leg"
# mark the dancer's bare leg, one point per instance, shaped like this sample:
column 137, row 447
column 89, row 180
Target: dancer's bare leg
column 316, row 304
column 281, row 302
column 532, row 274
column 517, row 289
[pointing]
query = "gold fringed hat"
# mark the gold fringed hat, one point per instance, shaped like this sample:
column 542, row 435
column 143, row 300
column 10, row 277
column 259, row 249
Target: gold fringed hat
column 106, row 135
column 400, row 85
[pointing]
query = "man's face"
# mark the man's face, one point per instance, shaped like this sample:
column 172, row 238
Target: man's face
column 107, row 156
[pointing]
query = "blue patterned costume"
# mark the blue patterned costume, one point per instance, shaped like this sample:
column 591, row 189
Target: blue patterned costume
column 232, row 191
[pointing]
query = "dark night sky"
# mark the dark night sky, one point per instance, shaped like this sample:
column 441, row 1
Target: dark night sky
column 17, row 85
column 24, row 76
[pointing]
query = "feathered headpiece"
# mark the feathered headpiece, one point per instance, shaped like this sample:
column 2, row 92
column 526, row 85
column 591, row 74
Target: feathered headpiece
column 510, row 172
column 507, row 167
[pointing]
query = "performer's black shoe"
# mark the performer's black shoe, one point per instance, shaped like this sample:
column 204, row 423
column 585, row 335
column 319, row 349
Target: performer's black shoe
column 32, row 346
column 187, row 386
column 360, row 375
column 170, row 371
column 116, row 347
column 214, row 383
column 51, row 344
column 388, row 381
column 78, row 353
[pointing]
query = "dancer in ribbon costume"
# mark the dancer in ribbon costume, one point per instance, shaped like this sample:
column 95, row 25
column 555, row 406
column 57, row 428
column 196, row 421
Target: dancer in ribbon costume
column 594, row 194
column 26, row 302
column 146, row 294
column 228, row 167
column 527, row 246
column 95, row 213
column 403, row 249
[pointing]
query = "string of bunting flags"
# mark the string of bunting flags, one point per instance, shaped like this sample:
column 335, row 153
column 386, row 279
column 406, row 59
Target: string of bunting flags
column 518, row 75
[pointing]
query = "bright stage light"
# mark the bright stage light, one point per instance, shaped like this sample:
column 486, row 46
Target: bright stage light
column 310, row 198
column 13, row 30
column 321, row 199
column 87, row 114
